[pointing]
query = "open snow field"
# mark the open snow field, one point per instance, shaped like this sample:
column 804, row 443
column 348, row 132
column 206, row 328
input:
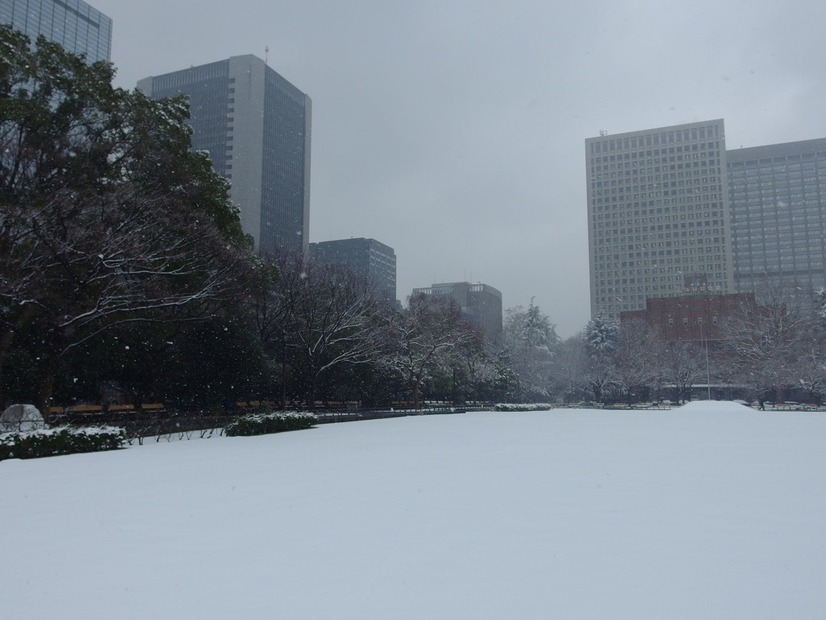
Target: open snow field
column 712, row 511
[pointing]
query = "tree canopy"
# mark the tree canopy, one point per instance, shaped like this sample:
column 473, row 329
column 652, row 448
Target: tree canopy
column 106, row 215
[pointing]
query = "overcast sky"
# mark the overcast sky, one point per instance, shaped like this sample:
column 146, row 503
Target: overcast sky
column 453, row 130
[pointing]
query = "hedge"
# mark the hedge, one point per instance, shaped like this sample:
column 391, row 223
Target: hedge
column 60, row 440
column 265, row 423
column 522, row 407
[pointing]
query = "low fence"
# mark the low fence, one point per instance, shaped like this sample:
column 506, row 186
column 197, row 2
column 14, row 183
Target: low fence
column 156, row 420
column 380, row 413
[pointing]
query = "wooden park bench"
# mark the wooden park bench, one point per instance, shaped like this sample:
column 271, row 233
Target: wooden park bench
column 155, row 409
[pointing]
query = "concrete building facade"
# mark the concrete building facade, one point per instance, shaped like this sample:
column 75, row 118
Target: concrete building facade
column 480, row 303
column 256, row 127
column 658, row 215
column 367, row 258
column 74, row 24
column 777, row 195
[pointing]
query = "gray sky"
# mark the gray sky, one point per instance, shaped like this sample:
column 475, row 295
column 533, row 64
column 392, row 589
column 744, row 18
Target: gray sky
column 453, row 130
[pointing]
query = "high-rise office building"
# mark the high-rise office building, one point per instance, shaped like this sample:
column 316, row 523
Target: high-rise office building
column 777, row 195
column 367, row 258
column 77, row 26
column 256, row 127
column 658, row 215
column 480, row 303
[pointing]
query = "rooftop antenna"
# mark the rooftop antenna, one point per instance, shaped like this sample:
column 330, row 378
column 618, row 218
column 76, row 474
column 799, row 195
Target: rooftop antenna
column 267, row 55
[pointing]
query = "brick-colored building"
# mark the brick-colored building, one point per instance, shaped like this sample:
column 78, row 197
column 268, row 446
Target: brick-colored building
column 696, row 318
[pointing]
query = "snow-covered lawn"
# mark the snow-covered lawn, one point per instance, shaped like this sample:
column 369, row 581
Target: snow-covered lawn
column 712, row 511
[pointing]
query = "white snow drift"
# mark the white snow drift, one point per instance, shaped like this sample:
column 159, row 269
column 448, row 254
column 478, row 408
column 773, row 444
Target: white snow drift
column 710, row 511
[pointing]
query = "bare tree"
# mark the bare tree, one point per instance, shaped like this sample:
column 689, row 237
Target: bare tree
column 316, row 318
column 422, row 338
column 569, row 368
column 683, row 365
column 766, row 342
column 636, row 364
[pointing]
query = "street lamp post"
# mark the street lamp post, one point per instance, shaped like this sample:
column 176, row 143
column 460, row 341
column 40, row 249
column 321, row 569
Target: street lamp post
column 705, row 346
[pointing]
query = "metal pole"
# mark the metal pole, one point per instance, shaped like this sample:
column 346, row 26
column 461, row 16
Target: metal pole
column 708, row 373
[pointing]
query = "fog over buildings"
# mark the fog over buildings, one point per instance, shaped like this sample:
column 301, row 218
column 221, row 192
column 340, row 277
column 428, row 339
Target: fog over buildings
column 454, row 131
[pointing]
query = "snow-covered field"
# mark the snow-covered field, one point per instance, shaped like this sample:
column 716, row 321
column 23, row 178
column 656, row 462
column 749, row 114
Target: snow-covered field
column 712, row 511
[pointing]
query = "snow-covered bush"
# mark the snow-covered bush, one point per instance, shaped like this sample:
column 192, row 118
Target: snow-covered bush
column 265, row 423
column 61, row 440
column 522, row 407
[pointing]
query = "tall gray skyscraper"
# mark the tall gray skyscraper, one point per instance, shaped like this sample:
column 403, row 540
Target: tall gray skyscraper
column 77, row 26
column 256, row 127
column 658, row 215
column 777, row 195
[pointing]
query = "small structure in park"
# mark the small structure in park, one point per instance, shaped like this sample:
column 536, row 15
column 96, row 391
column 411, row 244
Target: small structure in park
column 21, row 418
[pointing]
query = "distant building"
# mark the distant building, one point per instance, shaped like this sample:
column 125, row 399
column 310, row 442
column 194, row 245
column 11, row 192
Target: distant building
column 658, row 215
column 367, row 258
column 672, row 213
column 482, row 304
column 777, row 195
column 697, row 318
column 256, row 127
column 77, row 26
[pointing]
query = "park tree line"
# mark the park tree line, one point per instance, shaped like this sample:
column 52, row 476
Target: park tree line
column 773, row 349
column 125, row 274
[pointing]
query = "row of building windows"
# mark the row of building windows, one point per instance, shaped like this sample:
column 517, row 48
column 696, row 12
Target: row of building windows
column 656, row 138
column 655, row 182
column 647, row 279
column 656, row 165
column 620, row 201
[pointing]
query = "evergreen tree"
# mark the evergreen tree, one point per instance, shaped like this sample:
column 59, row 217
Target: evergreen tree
column 531, row 340
column 106, row 216
column 601, row 338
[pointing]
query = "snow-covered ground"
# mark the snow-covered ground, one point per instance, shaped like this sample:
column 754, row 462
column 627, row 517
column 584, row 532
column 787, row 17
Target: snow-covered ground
column 708, row 511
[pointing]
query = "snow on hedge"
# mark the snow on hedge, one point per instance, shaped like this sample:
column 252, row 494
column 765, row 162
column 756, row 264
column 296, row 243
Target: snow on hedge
column 265, row 423
column 60, row 440
column 522, row 407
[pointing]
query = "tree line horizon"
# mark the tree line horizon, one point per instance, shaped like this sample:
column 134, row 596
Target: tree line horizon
column 125, row 276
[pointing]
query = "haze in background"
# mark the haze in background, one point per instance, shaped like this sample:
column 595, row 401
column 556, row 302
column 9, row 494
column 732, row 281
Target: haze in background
column 454, row 131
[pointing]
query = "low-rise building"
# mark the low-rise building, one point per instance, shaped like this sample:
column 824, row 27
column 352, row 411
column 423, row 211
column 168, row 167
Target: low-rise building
column 697, row 318
column 480, row 303
column 367, row 258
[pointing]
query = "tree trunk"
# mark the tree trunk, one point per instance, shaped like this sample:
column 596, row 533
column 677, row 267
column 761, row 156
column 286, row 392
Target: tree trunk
column 415, row 388
column 44, row 390
column 6, row 341
column 49, row 362
column 310, row 395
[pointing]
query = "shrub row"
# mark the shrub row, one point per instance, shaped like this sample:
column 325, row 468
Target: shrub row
column 265, row 423
column 61, row 440
column 522, row 407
